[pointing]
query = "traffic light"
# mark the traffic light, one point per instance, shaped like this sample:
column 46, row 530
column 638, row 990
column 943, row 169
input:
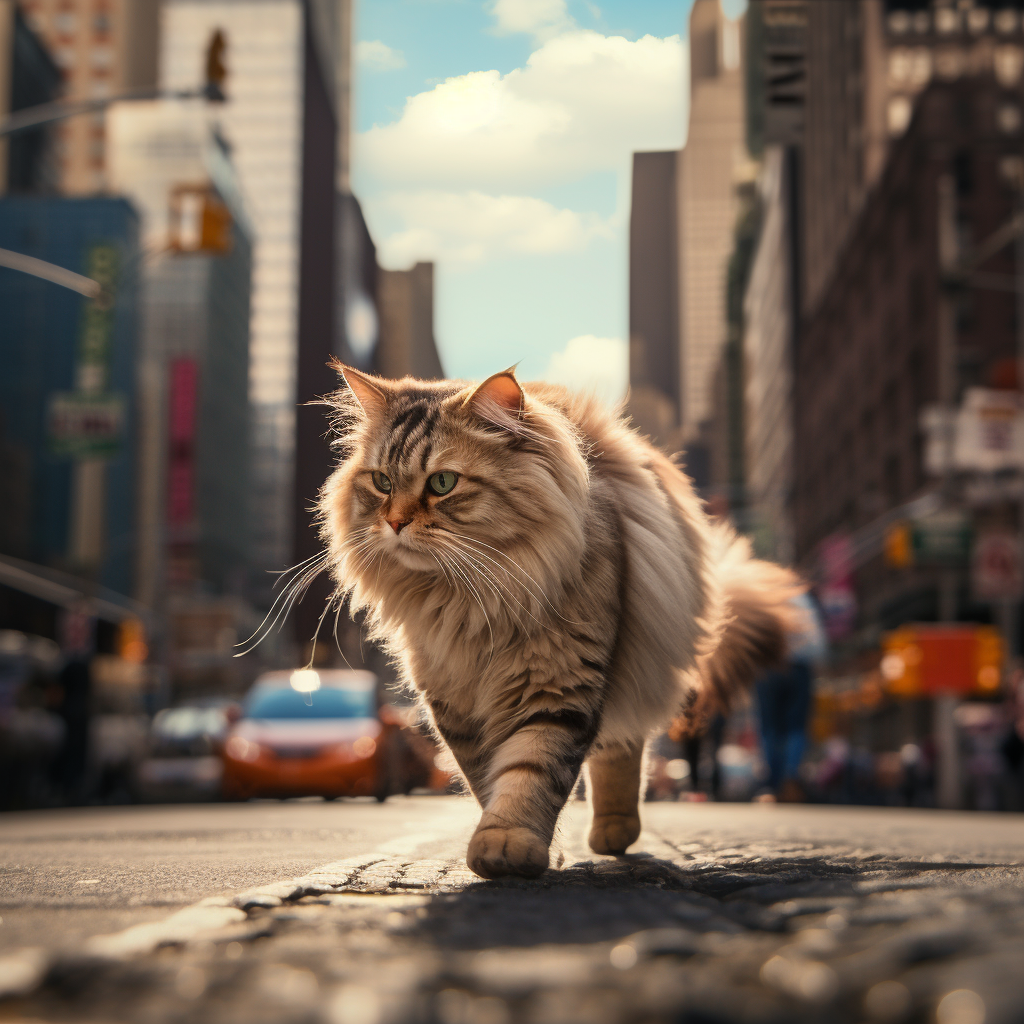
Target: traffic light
column 200, row 221
column 899, row 545
column 131, row 641
column 216, row 68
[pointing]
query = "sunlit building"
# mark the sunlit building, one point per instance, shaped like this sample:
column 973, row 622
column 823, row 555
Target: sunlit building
column 169, row 159
column 683, row 213
column 280, row 120
column 707, row 206
column 768, row 327
column 103, row 50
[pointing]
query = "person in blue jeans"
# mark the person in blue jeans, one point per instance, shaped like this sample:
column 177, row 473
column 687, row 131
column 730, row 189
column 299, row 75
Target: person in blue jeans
column 784, row 705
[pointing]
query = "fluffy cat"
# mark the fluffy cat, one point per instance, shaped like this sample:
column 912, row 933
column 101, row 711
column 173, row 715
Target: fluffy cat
column 550, row 586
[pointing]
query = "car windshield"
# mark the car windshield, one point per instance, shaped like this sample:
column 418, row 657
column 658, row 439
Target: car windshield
column 327, row 702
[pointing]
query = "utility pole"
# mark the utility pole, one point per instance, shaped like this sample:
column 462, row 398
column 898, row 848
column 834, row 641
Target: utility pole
column 947, row 769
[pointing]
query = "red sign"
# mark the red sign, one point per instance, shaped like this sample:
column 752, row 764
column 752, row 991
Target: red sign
column 182, row 436
column 996, row 567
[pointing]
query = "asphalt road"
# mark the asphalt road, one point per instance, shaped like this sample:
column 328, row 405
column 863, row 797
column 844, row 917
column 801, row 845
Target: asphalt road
column 746, row 913
column 69, row 874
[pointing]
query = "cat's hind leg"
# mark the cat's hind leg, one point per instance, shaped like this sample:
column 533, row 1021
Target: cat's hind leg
column 615, row 773
column 531, row 776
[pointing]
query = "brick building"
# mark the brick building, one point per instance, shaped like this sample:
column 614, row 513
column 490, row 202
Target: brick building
column 867, row 360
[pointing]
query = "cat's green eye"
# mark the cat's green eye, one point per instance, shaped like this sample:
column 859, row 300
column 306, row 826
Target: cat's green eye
column 381, row 482
column 443, row 482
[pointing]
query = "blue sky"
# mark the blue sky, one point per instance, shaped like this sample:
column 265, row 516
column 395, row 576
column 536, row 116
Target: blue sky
column 494, row 137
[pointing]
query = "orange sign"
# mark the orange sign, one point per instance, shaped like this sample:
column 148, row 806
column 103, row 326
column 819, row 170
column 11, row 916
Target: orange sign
column 924, row 660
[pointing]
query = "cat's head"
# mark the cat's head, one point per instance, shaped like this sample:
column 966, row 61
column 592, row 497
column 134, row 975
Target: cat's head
column 447, row 479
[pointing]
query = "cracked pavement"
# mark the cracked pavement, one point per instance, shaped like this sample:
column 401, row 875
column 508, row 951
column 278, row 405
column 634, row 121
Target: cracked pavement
column 745, row 913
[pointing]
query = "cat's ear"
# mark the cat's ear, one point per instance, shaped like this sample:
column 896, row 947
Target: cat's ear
column 368, row 391
column 499, row 393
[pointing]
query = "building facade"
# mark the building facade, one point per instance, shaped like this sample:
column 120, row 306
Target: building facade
column 868, row 358
column 867, row 61
column 169, row 159
column 281, row 121
column 28, row 78
column 654, row 375
column 768, row 334
column 103, row 50
column 715, row 151
column 68, row 390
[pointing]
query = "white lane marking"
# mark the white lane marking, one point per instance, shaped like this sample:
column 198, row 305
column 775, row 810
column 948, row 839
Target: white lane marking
column 184, row 925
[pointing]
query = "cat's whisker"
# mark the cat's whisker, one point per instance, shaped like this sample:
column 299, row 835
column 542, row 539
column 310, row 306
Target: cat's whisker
column 494, row 584
column 337, row 642
column 299, row 565
column 540, row 589
column 316, row 633
column 283, row 602
column 508, row 575
column 479, row 600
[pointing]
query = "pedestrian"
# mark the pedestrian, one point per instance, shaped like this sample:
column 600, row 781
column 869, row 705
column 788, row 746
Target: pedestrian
column 784, row 705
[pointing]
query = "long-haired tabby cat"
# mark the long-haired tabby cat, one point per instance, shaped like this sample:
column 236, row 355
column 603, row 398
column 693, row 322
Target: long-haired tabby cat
column 550, row 586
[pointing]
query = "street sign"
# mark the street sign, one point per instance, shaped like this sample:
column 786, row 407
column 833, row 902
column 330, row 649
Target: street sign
column 943, row 538
column 836, row 593
column 84, row 426
column 996, row 571
column 986, row 434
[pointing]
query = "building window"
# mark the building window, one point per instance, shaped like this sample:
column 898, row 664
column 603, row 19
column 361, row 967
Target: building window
column 65, row 23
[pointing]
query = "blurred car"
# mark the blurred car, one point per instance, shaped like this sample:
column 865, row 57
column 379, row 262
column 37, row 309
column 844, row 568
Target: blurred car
column 317, row 733
column 182, row 761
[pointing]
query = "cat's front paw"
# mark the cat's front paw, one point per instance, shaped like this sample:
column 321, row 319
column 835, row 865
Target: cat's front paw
column 613, row 833
column 496, row 852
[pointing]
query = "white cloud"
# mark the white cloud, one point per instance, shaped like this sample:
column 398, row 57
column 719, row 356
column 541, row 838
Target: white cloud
column 373, row 55
column 472, row 226
column 539, row 18
column 582, row 103
column 587, row 363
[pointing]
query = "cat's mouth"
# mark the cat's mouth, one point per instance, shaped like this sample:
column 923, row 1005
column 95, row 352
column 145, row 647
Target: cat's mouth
column 407, row 551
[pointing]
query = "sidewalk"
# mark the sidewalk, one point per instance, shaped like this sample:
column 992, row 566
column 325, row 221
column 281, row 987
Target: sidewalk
column 729, row 913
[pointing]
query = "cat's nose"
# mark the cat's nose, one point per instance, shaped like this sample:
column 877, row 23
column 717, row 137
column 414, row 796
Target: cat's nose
column 398, row 525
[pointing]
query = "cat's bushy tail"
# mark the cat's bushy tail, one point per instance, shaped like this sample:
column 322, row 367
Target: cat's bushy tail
column 756, row 614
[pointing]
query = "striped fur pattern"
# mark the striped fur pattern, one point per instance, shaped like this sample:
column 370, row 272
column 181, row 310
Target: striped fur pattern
column 554, row 607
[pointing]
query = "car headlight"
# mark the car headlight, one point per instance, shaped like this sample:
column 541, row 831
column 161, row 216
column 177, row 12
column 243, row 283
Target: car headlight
column 357, row 750
column 365, row 746
column 241, row 749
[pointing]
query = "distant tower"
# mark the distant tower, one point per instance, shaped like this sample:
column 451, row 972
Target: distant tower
column 715, row 150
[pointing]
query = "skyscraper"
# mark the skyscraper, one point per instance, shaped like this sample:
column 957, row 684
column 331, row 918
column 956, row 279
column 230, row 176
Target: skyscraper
column 280, row 119
column 715, row 149
column 654, row 377
column 168, row 158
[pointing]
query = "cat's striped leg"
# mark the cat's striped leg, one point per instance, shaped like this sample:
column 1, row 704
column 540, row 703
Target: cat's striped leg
column 464, row 738
column 531, row 776
column 614, row 774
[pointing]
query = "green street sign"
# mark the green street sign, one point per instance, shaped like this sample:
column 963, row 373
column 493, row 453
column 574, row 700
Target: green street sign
column 83, row 426
column 943, row 539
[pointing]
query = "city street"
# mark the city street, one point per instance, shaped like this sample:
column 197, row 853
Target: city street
column 354, row 913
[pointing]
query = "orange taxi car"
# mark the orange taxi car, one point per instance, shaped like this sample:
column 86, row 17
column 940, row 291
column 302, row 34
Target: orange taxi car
column 313, row 733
